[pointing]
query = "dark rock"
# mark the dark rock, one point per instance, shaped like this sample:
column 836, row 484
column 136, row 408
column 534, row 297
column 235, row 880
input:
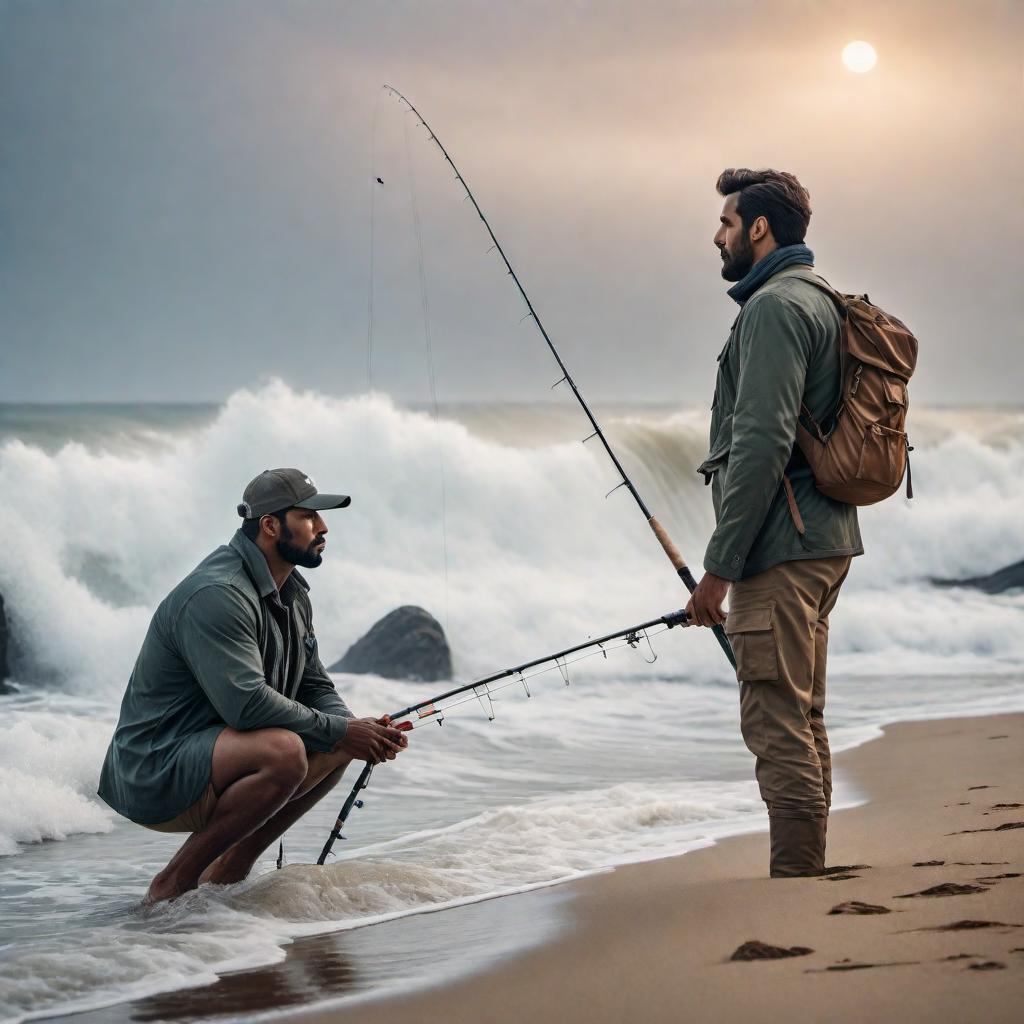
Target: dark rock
column 995, row 583
column 407, row 643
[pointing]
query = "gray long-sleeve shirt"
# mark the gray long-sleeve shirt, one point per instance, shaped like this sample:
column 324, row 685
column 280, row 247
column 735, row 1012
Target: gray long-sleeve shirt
column 224, row 648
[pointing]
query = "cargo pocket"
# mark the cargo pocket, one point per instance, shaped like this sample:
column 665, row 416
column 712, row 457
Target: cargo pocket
column 752, row 636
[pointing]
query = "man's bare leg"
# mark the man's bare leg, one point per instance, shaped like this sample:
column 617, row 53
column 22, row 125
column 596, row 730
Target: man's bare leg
column 254, row 774
column 234, row 865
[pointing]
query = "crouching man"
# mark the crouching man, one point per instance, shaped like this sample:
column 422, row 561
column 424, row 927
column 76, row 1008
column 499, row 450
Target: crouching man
column 230, row 727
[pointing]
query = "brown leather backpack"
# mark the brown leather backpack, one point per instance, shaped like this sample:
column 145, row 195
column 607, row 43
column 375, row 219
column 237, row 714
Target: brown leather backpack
column 864, row 456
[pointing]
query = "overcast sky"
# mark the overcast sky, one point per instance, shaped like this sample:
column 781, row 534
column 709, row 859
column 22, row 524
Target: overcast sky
column 185, row 189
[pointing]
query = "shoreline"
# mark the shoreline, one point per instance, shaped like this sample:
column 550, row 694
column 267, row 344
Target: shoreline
column 631, row 948
column 652, row 939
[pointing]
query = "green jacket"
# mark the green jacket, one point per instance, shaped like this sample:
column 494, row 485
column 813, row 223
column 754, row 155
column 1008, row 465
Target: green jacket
column 223, row 648
column 784, row 349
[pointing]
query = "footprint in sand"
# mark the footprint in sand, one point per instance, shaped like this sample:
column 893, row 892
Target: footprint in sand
column 929, row 864
column 842, row 872
column 968, row 925
column 987, row 965
column 1006, row 807
column 754, row 950
column 992, row 879
column 856, row 907
column 998, row 828
column 847, row 965
column 969, row 788
column 945, row 889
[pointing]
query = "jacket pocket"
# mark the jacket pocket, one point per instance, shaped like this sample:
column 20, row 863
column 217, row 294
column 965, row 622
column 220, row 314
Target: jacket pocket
column 752, row 635
column 719, row 453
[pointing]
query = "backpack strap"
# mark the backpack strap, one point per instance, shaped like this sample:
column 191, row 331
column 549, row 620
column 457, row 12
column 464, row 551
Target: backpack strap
column 822, row 285
column 794, row 509
column 839, row 301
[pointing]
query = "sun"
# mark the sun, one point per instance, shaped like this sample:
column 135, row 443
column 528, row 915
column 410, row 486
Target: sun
column 859, row 56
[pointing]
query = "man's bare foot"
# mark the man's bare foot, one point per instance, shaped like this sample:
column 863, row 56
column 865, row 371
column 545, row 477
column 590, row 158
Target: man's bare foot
column 165, row 887
column 227, row 869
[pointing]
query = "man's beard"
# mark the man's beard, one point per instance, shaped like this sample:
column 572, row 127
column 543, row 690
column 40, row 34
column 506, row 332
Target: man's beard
column 293, row 554
column 737, row 265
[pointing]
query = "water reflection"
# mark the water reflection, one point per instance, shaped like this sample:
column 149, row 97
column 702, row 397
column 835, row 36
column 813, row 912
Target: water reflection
column 400, row 954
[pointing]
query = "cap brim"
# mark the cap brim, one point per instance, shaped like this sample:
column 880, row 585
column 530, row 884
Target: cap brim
column 319, row 502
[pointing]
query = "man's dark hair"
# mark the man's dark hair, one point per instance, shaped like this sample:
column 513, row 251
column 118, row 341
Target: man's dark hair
column 251, row 527
column 774, row 195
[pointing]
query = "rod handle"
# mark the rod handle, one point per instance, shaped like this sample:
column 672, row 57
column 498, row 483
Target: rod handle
column 667, row 545
column 723, row 641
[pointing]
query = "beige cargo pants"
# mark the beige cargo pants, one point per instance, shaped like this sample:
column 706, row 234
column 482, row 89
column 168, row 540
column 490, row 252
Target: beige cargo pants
column 778, row 626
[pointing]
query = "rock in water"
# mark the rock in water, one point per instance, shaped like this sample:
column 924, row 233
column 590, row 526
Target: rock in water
column 1008, row 578
column 407, row 643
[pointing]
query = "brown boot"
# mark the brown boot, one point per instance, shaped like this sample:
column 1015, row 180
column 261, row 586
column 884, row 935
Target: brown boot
column 798, row 846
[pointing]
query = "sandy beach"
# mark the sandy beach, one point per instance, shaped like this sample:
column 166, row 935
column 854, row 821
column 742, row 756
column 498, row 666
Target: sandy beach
column 653, row 941
column 926, row 922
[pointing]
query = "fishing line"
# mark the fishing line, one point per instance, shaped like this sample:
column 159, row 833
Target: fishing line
column 428, row 341
column 661, row 534
column 435, row 707
column 370, row 292
column 375, row 182
column 560, row 665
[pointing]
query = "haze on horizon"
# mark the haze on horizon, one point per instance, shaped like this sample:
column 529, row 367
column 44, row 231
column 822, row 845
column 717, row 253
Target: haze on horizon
column 185, row 189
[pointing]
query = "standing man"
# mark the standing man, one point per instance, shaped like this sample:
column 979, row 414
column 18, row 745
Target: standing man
column 230, row 727
column 781, row 546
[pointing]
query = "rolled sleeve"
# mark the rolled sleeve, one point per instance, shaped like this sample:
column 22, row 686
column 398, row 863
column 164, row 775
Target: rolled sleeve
column 216, row 635
column 774, row 343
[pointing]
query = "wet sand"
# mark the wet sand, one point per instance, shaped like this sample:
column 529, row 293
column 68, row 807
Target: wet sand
column 652, row 942
column 926, row 925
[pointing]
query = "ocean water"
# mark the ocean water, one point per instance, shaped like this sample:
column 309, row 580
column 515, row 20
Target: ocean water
column 107, row 507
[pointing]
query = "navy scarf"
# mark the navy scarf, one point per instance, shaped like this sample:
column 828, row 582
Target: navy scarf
column 769, row 266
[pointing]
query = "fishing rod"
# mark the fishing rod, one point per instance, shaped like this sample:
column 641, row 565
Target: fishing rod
column 667, row 545
column 631, row 636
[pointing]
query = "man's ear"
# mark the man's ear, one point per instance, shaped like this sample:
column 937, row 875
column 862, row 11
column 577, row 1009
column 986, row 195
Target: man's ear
column 759, row 228
column 270, row 525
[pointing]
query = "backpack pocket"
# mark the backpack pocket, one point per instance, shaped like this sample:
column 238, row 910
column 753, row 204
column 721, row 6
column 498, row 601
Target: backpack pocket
column 752, row 635
column 883, row 456
column 895, row 391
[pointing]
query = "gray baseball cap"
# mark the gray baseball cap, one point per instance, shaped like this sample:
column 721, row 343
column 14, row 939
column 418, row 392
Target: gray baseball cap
column 276, row 489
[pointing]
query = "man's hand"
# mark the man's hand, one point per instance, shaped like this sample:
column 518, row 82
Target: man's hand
column 374, row 739
column 705, row 605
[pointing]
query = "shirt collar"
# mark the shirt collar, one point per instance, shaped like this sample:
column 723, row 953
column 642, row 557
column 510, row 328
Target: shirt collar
column 258, row 568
